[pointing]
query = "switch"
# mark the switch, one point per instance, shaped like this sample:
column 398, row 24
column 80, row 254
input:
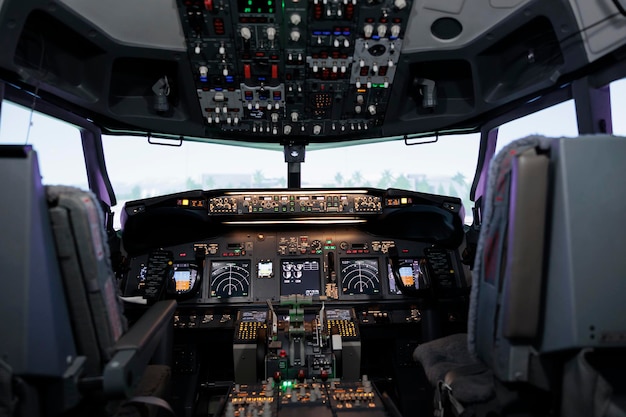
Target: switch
column 395, row 31
column 247, row 71
column 245, row 33
column 295, row 19
column 204, row 71
column 274, row 70
column 382, row 30
column 368, row 30
column 295, row 35
column 400, row 4
column 271, row 33
column 371, row 109
column 317, row 129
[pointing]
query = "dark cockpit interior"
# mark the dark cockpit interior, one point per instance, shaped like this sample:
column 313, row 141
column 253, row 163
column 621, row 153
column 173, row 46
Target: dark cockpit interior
column 356, row 298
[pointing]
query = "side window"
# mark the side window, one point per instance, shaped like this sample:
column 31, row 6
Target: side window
column 618, row 104
column 555, row 121
column 58, row 144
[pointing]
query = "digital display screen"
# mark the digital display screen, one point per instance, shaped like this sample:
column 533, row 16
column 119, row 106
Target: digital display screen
column 185, row 276
column 230, row 278
column 412, row 273
column 265, row 269
column 256, row 6
column 360, row 276
column 300, row 276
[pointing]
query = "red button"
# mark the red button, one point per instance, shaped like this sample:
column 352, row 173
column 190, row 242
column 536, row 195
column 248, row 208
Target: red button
column 247, row 72
column 274, row 71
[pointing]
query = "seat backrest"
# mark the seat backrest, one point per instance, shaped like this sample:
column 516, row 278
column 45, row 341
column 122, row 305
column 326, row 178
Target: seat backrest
column 35, row 334
column 83, row 254
column 549, row 273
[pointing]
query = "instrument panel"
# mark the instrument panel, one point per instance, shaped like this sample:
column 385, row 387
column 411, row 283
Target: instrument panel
column 326, row 263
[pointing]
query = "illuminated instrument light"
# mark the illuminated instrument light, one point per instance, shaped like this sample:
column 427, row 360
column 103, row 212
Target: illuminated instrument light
column 222, row 50
column 229, row 120
column 236, row 121
column 197, row 49
column 346, row 43
column 209, row 120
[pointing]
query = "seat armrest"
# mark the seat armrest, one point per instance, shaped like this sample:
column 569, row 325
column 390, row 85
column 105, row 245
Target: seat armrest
column 135, row 348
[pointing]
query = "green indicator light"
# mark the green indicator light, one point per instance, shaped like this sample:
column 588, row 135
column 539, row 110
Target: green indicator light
column 259, row 10
column 269, row 2
column 247, row 10
column 271, row 10
column 329, row 242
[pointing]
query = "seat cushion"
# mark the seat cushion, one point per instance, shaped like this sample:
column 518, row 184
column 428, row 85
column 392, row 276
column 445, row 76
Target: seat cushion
column 448, row 359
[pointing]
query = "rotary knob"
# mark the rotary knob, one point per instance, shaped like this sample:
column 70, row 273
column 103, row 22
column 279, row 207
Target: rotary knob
column 295, row 19
column 271, row 33
column 245, row 33
column 295, row 35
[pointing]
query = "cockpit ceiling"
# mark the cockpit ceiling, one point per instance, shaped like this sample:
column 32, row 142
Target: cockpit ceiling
column 297, row 71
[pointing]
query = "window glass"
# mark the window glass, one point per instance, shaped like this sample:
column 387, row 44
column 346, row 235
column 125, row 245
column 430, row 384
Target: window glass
column 618, row 106
column 555, row 121
column 139, row 170
column 58, row 144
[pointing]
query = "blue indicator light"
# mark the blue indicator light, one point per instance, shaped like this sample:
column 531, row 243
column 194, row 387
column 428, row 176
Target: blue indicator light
column 277, row 98
column 317, row 32
column 326, row 33
column 376, row 37
column 346, row 33
column 393, row 38
column 337, row 33
column 219, row 89
column 203, row 79
column 261, row 78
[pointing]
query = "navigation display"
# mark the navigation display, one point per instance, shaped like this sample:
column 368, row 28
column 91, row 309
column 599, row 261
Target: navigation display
column 412, row 273
column 300, row 276
column 360, row 276
column 230, row 279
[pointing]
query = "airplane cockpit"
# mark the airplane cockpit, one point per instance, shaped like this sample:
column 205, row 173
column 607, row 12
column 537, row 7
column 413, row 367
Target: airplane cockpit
column 246, row 272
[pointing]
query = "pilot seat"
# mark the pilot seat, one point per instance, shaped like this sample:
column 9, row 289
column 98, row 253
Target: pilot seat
column 67, row 348
column 546, row 329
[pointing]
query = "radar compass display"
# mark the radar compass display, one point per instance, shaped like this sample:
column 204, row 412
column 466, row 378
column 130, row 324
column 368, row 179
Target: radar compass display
column 230, row 279
column 360, row 276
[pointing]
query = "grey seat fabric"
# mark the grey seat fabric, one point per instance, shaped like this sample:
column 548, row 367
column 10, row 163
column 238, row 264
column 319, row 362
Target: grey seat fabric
column 100, row 327
column 549, row 226
column 511, row 178
column 96, row 310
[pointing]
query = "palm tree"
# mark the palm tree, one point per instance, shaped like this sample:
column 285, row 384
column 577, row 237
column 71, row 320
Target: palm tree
column 338, row 178
column 258, row 179
column 385, row 179
column 402, row 182
column 357, row 178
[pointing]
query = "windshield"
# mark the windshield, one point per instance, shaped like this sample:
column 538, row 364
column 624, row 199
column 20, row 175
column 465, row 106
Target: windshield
column 138, row 169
